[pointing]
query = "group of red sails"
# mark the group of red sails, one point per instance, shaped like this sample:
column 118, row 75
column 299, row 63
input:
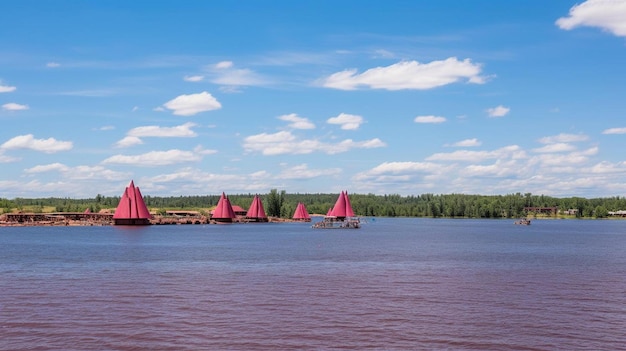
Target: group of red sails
column 132, row 210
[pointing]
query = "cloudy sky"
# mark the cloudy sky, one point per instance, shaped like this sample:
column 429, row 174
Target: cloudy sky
column 383, row 97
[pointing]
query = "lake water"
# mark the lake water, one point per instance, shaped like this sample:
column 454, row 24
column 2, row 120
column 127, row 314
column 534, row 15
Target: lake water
column 394, row 284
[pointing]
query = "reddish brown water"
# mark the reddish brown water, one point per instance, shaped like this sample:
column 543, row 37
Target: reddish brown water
column 392, row 285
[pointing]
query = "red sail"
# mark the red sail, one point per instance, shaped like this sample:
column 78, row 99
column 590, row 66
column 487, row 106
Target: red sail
column 339, row 210
column 256, row 209
column 224, row 209
column 131, row 205
column 301, row 212
column 349, row 211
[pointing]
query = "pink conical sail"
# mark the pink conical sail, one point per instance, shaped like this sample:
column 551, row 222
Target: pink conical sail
column 349, row 211
column 224, row 209
column 301, row 213
column 256, row 209
column 131, row 205
column 339, row 210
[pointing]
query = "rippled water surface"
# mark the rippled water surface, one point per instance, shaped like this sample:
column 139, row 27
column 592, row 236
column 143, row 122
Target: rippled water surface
column 394, row 284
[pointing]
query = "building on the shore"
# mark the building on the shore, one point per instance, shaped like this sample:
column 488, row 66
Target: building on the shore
column 301, row 214
column 132, row 210
column 256, row 212
column 223, row 213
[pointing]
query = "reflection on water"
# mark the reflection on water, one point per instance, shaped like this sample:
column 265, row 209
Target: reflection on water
column 395, row 284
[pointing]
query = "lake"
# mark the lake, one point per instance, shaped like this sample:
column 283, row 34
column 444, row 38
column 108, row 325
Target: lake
column 394, row 284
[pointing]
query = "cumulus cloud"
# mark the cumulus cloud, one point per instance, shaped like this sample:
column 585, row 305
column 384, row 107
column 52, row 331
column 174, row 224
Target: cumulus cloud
column 467, row 143
column 609, row 15
column 181, row 131
column 303, row 171
column 614, row 131
column 11, row 106
column 28, row 141
column 498, row 111
column 155, row 158
column 225, row 73
column 297, row 122
column 563, row 138
column 347, row 121
column 285, row 142
column 133, row 136
column 407, row 75
column 429, row 119
column 513, row 151
column 556, row 147
column 78, row 172
column 193, row 78
column 189, row 105
column 128, row 141
column 6, row 88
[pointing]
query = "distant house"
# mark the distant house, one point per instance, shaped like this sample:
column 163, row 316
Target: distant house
column 131, row 209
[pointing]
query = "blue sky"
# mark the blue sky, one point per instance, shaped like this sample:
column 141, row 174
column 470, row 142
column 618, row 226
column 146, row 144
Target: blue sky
column 394, row 97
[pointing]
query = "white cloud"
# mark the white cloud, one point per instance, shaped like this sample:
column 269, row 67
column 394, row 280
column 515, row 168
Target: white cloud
column 564, row 138
column 297, row 122
column 224, row 65
column 200, row 150
column 53, row 64
column 7, row 159
column 27, row 141
column 128, row 141
column 614, row 131
column 609, row 15
column 403, row 167
column 467, row 143
column 155, row 158
column 407, row 75
column 285, row 142
column 78, row 172
column 498, row 111
column 347, row 121
column 429, row 119
column 512, row 151
column 189, row 105
column 556, row 147
column 11, row 106
column 193, row 78
column 304, row 172
column 225, row 73
column 181, row 131
column 7, row 88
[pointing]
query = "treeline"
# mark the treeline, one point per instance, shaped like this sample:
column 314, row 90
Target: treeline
column 282, row 204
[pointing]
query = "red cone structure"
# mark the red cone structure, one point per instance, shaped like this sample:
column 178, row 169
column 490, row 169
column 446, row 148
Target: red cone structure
column 256, row 212
column 342, row 208
column 224, row 211
column 301, row 214
column 132, row 209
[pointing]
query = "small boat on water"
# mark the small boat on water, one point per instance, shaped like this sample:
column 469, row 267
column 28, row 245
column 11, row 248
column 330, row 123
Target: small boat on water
column 331, row 222
column 522, row 221
column 340, row 216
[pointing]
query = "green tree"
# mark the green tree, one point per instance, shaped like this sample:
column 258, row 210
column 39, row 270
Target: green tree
column 275, row 202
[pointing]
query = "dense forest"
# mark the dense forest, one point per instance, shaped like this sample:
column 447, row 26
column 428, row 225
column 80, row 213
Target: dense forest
column 281, row 204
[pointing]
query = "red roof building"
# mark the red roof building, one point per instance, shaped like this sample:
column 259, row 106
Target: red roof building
column 132, row 209
column 301, row 214
column 256, row 212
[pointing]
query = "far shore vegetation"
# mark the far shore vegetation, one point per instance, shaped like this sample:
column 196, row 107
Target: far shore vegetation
column 282, row 204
